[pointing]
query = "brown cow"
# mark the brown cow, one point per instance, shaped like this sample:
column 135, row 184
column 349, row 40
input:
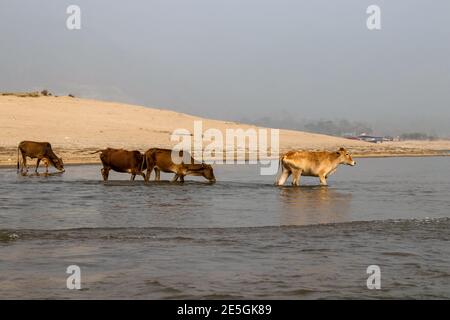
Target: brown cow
column 161, row 160
column 121, row 160
column 39, row 150
column 313, row 164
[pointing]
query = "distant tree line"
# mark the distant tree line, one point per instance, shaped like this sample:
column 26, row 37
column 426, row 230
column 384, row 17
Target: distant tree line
column 342, row 127
column 417, row 136
column 329, row 127
column 338, row 127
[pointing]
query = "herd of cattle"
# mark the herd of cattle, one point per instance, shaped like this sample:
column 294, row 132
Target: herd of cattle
column 296, row 163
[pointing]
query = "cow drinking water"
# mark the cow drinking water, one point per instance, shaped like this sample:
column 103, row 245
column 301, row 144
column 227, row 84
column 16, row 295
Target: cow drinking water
column 310, row 163
column 120, row 160
column 40, row 150
column 161, row 160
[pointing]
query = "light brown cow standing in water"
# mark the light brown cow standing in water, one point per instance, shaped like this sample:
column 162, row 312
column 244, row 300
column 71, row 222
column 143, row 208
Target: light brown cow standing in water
column 312, row 163
column 41, row 151
column 161, row 160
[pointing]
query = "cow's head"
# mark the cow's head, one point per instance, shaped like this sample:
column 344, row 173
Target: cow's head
column 58, row 163
column 208, row 173
column 345, row 157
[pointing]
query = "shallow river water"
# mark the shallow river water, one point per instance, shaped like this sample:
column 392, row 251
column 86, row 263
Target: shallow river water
column 241, row 237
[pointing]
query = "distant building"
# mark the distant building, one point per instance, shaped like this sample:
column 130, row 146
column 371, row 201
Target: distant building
column 373, row 139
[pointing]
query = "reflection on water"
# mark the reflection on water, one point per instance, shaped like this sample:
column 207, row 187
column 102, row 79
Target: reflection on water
column 40, row 174
column 313, row 204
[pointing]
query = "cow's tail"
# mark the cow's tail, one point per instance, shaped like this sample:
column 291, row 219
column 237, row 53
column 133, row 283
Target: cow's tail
column 279, row 165
column 18, row 159
column 144, row 161
column 101, row 150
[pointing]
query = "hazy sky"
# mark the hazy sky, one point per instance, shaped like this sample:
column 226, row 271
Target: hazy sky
column 231, row 59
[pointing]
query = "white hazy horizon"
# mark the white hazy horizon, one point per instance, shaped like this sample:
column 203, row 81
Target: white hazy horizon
column 241, row 59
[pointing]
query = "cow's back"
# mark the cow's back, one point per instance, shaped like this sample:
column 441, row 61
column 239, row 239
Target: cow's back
column 36, row 149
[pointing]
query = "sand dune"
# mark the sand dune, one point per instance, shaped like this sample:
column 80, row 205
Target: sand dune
column 76, row 126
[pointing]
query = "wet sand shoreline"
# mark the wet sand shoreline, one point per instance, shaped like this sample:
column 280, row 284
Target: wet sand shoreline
column 75, row 161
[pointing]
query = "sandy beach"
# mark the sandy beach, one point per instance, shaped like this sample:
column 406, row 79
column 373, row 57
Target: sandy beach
column 76, row 127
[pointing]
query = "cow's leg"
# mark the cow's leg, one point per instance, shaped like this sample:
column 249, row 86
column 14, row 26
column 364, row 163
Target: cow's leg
column 46, row 167
column 105, row 173
column 20, row 164
column 323, row 180
column 149, row 172
column 285, row 173
column 37, row 165
column 157, row 174
column 182, row 172
column 175, row 177
column 296, row 177
column 24, row 163
column 330, row 173
column 133, row 176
